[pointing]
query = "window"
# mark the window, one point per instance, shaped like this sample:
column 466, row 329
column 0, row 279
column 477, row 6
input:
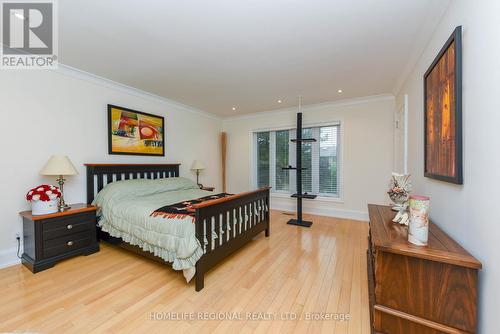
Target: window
column 263, row 159
column 282, row 158
column 321, row 158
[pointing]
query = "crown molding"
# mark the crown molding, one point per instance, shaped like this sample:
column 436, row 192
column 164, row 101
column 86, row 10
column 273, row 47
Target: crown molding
column 95, row 79
column 315, row 107
column 422, row 42
column 98, row 80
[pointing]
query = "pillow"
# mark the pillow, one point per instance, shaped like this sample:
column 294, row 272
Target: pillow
column 142, row 187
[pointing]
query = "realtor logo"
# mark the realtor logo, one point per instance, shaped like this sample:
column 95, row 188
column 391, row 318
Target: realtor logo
column 29, row 35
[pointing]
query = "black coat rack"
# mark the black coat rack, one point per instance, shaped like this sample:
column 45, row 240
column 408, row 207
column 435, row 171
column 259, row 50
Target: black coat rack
column 298, row 168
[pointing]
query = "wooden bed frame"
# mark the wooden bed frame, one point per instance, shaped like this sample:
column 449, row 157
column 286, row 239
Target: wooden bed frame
column 222, row 210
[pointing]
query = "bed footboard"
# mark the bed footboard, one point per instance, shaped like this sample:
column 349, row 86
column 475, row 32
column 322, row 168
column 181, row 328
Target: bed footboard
column 234, row 220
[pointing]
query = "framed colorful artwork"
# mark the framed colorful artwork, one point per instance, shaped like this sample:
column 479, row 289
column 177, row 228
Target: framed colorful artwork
column 443, row 113
column 135, row 133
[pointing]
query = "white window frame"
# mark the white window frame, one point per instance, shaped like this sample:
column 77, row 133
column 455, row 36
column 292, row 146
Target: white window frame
column 315, row 176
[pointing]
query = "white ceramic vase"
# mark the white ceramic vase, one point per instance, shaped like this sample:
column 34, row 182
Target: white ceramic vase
column 418, row 229
column 43, row 207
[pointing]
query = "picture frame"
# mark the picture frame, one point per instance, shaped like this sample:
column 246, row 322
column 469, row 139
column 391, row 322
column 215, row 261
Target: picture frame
column 133, row 132
column 443, row 113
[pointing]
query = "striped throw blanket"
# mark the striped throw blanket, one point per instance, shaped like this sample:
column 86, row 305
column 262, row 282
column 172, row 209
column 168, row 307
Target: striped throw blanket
column 183, row 209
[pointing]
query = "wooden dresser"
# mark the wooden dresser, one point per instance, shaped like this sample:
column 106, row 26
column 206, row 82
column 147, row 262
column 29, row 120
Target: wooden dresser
column 419, row 290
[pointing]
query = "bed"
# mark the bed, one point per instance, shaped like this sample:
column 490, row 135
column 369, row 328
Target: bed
column 219, row 226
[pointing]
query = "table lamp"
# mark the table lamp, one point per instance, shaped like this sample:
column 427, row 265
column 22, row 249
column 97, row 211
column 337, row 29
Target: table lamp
column 197, row 166
column 59, row 165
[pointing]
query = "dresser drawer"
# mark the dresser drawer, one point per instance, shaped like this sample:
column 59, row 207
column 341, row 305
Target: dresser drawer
column 67, row 243
column 69, row 225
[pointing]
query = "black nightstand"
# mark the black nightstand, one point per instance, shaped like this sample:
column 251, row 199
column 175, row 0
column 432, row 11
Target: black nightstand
column 57, row 236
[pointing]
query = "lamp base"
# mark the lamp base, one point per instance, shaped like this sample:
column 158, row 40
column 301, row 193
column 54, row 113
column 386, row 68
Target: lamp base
column 64, row 207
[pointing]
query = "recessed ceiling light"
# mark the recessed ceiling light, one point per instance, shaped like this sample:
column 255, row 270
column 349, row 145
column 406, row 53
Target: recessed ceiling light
column 339, row 91
column 279, row 101
column 234, row 108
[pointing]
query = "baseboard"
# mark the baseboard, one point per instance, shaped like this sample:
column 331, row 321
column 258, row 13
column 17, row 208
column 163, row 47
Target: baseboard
column 8, row 257
column 322, row 209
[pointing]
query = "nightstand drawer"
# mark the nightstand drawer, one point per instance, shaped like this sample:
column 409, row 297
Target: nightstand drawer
column 70, row 225
column 66, row 243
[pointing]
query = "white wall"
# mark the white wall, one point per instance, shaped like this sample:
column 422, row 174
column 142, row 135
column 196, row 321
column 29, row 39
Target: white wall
column 469, row 213
column 367, row 152
column 65, row 112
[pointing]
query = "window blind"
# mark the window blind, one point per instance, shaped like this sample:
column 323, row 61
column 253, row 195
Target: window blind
column 328, row 160
column 263, row 159
column 282, row 160
column 307, row 161
column 321, row 158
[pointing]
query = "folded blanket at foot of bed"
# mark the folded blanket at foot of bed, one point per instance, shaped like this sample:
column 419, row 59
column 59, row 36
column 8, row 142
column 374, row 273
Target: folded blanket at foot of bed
column 185, row 208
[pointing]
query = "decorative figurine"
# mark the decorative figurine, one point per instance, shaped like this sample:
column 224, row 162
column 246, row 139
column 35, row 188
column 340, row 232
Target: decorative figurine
column 399, row 193
column 402, row 217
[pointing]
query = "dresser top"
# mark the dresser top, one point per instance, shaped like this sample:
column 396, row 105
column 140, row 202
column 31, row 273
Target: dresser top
column 391, row 237
column 75, row 208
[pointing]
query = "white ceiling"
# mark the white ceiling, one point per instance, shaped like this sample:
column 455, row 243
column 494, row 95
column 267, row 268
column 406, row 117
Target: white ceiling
column 214, row 54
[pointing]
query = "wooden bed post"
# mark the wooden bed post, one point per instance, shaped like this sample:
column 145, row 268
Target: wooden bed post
column 223, row 147
column 90, row 184
column 268, row 218
column 200, row 274
column 200, row 278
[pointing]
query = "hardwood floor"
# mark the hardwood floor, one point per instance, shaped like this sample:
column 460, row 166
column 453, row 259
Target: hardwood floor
column 319, row 271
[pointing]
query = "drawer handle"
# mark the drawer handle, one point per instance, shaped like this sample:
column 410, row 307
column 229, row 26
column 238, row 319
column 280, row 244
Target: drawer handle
column 69, row 227
column 69, row 243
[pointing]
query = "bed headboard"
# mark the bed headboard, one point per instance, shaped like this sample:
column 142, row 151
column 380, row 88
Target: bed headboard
column 98, row 175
